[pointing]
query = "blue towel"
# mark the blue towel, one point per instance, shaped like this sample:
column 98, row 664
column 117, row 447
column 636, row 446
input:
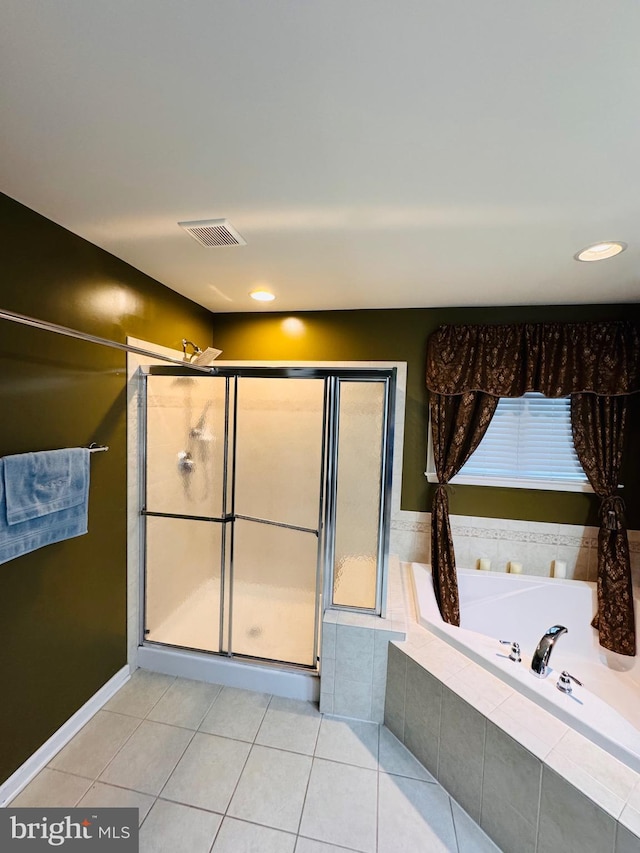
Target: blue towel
column 43, row 499
column 40, row 483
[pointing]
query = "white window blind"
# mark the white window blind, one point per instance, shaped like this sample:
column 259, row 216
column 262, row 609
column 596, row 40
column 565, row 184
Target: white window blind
column 529, row 438
column 528, row 446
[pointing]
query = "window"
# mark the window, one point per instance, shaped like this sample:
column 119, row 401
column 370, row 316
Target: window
column 528, row 445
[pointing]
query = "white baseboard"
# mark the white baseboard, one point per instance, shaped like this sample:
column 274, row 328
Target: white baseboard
column 33, row 765
column 231, row 673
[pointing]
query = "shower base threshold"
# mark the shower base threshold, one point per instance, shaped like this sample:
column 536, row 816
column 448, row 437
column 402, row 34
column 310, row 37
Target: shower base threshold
column 231, row 672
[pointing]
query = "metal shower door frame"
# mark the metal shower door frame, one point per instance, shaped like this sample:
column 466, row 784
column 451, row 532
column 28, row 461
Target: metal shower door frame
column 388, row 377
column 325, row 531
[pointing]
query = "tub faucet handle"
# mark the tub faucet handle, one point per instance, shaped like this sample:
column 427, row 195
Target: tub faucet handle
column 515, row 650
column 564, row 682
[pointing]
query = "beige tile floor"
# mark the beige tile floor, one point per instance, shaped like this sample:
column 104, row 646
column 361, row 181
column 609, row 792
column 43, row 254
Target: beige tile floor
column 222, row 770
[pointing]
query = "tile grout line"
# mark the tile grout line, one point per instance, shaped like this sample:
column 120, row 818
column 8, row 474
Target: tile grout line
column 188, row 744
column 209, row 707
column 378, row 795
column 253, row 744
column 173, row 681
column 213, row 702
column 485, row 729
column 373, row 664
column 122, row 746
column 217, row 832
column 137, row 716
column 404, row 695
column 539, row 809
column 306, row 790
column 484, row 749
column 453, row 821
column 339, row 847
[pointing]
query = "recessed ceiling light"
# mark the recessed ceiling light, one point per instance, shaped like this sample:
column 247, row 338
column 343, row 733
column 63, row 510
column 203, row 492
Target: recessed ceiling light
column 600, row 251
column 262, row 295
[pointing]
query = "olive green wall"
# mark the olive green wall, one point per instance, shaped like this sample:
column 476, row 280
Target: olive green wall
column 63, row 607
column 401, row 335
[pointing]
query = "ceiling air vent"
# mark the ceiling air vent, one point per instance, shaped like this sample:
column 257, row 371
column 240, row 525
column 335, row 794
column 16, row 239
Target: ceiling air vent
column 213, row 232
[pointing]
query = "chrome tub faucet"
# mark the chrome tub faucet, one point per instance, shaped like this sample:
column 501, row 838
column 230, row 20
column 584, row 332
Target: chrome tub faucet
column 540, row 660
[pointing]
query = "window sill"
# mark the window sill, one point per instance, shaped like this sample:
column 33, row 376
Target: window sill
column 507, row 483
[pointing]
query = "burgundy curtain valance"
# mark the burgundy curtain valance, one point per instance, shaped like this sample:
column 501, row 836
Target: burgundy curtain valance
column 598, row 364
column 556, row 359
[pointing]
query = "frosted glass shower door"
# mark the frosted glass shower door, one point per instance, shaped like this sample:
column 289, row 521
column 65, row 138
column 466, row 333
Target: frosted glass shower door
column 184, row 508
column 278, row 487
column 266, row 495
column 360, row 470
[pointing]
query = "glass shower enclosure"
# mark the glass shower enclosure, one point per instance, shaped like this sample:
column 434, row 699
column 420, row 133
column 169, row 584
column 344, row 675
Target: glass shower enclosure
column 265, row 496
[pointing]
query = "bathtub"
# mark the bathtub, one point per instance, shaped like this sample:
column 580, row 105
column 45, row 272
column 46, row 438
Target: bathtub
column 496, row 606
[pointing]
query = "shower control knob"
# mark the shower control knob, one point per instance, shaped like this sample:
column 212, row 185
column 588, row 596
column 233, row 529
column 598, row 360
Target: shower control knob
column 564, row 682
column 514, row 655
column 185, row 462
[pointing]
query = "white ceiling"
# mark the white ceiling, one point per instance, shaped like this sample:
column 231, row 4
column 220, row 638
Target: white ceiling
column 373, row 153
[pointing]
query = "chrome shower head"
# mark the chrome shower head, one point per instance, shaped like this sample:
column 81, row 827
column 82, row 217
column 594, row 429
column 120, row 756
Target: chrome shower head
column 198, row 356
column 206, row 357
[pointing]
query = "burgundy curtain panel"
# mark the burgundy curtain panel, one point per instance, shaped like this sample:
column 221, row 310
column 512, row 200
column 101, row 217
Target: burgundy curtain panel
column 599, row 425
column 458, row 424
column 470, row 367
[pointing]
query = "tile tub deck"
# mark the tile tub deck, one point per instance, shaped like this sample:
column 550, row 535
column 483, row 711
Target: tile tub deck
column 532, row 783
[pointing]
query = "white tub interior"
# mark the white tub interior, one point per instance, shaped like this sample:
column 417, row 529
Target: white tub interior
column 497, row 607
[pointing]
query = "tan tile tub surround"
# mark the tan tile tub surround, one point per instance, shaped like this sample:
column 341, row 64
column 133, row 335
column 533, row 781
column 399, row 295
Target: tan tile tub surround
column 534, row 544
column 532, row 783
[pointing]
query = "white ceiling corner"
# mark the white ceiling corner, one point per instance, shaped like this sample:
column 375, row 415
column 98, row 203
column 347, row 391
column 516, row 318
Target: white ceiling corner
column 373, row 154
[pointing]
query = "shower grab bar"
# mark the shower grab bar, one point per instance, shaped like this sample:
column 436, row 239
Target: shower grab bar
column 24, row 320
